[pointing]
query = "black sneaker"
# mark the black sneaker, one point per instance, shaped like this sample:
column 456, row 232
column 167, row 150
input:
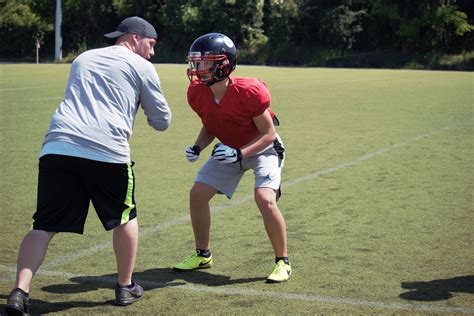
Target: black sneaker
column 17, row 303
column 125, row 296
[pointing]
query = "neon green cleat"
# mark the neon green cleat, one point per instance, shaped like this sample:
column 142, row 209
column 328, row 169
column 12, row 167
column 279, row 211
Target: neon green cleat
column 281, row 272
column 194, row 262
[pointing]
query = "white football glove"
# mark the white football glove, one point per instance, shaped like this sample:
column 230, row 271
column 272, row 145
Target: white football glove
column 225, row 154
column 192, row 153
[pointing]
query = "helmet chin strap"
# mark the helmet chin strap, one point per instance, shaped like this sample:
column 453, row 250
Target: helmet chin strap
column 210, row 82
column 213, row 81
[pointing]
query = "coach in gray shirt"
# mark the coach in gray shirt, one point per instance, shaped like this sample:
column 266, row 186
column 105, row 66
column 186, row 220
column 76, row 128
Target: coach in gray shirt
column 86, row 155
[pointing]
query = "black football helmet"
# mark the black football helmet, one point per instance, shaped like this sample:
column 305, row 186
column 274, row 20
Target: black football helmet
column 211, row 58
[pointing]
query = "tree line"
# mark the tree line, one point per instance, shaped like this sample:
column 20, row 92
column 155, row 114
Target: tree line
column 275, row 32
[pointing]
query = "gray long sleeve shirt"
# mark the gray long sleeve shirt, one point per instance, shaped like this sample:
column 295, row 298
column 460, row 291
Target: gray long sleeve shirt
column 103, row 94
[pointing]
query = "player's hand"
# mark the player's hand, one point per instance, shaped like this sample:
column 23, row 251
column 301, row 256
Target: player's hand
column 192, row 153
column 225, row 154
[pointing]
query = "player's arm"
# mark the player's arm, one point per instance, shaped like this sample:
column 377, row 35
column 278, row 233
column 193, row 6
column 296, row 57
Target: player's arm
column 265, row 126
column 225, row 154
column 203, row 140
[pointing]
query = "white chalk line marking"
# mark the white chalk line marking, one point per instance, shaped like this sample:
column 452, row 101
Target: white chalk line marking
column 17, row 99
column 15, row 116
column 239, row 291
column 270, row 294
column 31, row 87
column 365, row 157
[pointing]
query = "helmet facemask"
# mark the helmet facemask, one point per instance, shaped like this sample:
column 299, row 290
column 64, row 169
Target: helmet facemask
column 208, row 69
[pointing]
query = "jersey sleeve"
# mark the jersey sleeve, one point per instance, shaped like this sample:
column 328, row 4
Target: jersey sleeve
column 192, row 94
column 258, row 99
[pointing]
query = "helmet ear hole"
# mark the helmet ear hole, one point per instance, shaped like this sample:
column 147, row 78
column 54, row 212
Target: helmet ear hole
column 223, row 69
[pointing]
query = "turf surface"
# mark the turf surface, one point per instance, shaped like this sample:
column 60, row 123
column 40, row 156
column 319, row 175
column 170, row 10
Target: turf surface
column 378, row 200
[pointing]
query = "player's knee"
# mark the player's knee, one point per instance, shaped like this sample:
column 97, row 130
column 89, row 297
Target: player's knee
column 194, row 193
column 265, row 199
column 200, row 193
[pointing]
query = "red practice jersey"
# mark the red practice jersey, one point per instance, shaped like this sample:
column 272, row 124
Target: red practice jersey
column 230, row 120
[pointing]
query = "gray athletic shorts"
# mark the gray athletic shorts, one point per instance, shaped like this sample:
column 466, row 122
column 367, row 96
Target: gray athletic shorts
column 266, row 167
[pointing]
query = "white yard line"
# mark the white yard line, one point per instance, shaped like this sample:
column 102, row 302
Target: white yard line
column 32, row 87
column 366, row 157
column 30, row 102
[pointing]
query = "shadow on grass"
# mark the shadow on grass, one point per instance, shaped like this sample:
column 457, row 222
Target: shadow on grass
column 437, row 290
column 205, row 278
column 40, row 307
column 149, row 279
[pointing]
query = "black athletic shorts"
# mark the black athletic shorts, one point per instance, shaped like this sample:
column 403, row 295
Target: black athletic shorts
column 66, row 185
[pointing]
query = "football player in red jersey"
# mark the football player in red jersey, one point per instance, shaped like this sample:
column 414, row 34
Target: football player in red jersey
column 236, row 112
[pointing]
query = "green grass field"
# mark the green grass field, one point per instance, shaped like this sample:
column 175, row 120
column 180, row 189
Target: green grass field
column 378, row 199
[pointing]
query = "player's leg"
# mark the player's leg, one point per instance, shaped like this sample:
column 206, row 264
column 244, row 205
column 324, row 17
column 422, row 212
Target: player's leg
column 200, row 212
column 267, row 168
column 199, row 198
column 276, row 230
column 273, row 219
column 211, row 179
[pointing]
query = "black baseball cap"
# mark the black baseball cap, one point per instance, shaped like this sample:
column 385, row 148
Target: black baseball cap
column 135, row 25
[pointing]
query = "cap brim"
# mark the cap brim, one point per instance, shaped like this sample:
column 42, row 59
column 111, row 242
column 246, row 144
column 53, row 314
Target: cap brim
column 114, row 34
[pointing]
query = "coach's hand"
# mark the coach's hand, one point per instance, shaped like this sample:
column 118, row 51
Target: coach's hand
column 192, row 153
column 225, row 154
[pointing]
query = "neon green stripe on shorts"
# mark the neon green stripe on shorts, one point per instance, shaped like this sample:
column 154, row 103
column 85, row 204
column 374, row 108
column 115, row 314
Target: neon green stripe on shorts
column 128, row 199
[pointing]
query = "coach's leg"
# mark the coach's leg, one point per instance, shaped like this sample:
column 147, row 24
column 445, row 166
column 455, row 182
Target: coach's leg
column 30, row 257
column 200, row 212
column 272, row 219
column 125, row 239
